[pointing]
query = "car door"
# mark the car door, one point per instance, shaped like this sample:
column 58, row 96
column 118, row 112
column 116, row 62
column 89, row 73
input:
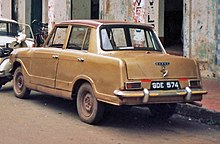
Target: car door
column 45, row 60
column 72, row 59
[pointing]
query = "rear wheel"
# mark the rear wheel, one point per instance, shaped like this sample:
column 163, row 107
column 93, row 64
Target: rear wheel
column 89, row 109
column 162, row 111
column 20, row 90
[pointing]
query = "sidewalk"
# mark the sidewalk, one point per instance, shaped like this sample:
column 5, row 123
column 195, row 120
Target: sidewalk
column 211, row 100
column 209, row 113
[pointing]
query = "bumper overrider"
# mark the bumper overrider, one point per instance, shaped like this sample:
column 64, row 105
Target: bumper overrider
column 161, row 96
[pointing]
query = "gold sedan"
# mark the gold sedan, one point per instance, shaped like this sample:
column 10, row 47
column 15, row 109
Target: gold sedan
column 99, row 62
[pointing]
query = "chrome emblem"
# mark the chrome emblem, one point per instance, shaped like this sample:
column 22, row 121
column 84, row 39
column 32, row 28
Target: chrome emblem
column 163, row 70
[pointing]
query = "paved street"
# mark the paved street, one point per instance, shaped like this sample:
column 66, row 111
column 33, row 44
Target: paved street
column 43, row 119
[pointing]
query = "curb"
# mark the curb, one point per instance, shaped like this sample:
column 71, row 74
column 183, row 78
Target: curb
column 201, row 114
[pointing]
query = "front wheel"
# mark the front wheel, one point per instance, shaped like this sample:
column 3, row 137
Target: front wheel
column 89, row 109
column 20, row 90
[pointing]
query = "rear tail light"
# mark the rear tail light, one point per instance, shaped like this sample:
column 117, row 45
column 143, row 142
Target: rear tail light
column 133, row 86
column 195, row 84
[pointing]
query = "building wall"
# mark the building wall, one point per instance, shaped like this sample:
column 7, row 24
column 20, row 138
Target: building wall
column 200, row 25
column 200, row 37
column 22, row 11
column 57, row 12
column 5, row 8
column 144, row 11
column 81, row 9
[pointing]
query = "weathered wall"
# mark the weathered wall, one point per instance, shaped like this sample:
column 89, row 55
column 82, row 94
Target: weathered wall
column 24, row 11
column 57, row 11
column 81, row 9
column 45, row 11
column 116, row 10
column 200, row 37
column 144, row 11
column 5, row 8
column 200, row 22
column 218, row 40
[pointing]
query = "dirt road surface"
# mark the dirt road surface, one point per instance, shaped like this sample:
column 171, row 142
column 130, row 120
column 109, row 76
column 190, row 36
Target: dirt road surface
column 44, row 119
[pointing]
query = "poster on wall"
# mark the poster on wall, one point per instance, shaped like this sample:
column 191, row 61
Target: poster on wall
column 144, row 11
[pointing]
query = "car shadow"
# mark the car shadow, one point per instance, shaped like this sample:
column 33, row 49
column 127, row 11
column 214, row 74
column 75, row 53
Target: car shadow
column 6, row 89
column 56, row 103
column 129, row 118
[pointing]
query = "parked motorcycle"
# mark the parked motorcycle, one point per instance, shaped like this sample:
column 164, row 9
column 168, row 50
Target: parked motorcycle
column 5, row 65
column 41, row 34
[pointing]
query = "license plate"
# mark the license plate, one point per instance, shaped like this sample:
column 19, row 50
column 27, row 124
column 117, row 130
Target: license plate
column 164, row 85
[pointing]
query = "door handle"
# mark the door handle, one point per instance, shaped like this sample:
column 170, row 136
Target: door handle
column 80, row 59
column 55, row 56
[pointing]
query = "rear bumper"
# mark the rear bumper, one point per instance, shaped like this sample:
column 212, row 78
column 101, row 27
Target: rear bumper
column 161, row 96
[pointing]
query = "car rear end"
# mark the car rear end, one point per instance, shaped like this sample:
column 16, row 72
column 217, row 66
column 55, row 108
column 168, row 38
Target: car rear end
column 160, row 78
column 152, row 75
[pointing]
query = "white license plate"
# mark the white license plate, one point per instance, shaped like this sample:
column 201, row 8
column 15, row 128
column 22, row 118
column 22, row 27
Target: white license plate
column 165, row 85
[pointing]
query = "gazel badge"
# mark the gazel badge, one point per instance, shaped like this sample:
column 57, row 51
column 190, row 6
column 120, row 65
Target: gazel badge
column 163, row 70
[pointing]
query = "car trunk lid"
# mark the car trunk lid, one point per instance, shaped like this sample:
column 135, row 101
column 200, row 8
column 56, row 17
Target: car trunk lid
column 157, row 66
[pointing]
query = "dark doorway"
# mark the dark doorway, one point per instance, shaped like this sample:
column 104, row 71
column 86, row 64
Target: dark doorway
column 36, row 13
column 95, row 9
column 173, row 38
column 14, row 9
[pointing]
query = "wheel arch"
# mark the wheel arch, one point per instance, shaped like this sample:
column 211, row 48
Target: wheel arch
column 79, row 81
column 16, row 64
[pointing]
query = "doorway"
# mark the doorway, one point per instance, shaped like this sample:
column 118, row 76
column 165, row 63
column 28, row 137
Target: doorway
column 36, row 13
column 173, row 26
column 95, row 9
column 14, row 12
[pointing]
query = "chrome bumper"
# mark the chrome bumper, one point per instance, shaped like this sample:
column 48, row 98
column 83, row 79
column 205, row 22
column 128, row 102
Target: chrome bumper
column 146, row 94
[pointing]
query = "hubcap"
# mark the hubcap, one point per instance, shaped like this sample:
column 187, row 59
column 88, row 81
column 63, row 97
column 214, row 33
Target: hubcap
column 87, row 104
column 19, row 82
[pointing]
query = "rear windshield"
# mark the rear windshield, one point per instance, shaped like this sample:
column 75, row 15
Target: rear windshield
column 128, row 37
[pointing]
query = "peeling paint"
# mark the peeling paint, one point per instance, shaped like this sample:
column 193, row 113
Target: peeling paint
column 201, row 35
column 56, row 12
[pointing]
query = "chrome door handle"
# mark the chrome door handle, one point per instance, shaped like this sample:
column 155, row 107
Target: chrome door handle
column 55, row 56
column 80, row 59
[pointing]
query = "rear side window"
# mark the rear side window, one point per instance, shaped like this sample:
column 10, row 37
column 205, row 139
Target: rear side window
column 79, row 38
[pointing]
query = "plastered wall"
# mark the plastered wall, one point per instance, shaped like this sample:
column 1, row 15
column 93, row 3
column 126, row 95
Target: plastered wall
column 200, row 34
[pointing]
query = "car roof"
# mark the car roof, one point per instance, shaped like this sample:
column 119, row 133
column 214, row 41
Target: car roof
column 7, row 20
column 96, row 23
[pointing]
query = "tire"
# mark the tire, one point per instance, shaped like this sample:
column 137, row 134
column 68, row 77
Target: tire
column 89, row 109
column 20, row 90
column 162, row 111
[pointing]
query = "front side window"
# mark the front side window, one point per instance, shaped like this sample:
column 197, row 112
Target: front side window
column 58, row 37
column 128, row 37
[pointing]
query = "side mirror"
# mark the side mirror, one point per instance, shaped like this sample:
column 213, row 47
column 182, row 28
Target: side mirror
column 4, row 52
